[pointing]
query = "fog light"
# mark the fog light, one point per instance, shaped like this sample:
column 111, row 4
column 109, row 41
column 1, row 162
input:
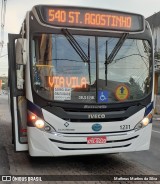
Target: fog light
column 144, row 122
column 39, row 124
column 138, row 126
column 47, row 128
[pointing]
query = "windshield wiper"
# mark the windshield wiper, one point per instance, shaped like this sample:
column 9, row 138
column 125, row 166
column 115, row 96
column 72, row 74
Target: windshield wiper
column 79, row 50
column 110, row 58
column 106, row 61
column 75, row 45
column 117, row 48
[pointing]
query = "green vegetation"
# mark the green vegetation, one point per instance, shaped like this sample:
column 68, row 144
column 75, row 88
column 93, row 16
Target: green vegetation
column 135, row 89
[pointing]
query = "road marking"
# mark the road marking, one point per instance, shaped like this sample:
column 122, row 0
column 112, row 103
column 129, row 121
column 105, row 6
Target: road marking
column 156, row 131
column 157, row 119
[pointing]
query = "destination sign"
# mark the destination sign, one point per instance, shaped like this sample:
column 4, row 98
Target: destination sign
column 87, row 18
column 68, row 82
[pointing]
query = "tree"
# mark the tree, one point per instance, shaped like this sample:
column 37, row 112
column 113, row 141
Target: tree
column 135, row 89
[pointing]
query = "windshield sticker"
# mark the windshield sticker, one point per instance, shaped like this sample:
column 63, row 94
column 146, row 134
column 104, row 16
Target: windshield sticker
column 122, row 92
column 102, row 96
column 62, row 94
column 83, row 97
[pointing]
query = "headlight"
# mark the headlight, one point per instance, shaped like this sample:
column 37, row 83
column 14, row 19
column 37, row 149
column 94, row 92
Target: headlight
column 145, row 121
column 39, row 123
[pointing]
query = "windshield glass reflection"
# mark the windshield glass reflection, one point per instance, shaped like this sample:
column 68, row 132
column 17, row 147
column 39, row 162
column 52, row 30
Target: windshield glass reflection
column 61, row 73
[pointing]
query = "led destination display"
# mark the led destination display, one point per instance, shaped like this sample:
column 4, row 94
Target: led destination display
column 87, row 18
column 69, row 82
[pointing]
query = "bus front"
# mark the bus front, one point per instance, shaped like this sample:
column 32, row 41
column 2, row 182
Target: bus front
column 91, row 77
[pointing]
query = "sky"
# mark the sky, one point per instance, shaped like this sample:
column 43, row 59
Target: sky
column 16, row 10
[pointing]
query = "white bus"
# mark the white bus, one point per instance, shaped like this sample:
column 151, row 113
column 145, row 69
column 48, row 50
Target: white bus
column 81, row 82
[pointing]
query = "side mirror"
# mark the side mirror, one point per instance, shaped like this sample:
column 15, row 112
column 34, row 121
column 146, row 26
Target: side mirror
column 21, row 47
column 20, row 76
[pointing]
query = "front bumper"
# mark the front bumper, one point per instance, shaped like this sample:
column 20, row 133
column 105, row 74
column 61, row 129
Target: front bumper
column 65, row 144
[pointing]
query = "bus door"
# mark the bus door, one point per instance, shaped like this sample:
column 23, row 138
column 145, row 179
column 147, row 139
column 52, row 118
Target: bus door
column 16, row 61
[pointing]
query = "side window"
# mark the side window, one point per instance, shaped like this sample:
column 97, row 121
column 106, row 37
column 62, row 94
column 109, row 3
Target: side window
column 21, row 100
column 20, row 62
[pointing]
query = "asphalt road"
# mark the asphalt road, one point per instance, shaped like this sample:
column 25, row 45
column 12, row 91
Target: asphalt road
column 20, row 163
column 151, row 157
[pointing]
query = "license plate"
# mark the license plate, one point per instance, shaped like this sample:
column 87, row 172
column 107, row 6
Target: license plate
column 97, row 140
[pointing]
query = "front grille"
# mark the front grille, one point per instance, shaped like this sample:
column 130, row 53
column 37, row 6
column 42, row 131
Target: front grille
column 96, row 120
column 95, row 110
column 105, row 146
column 83, row 115
column 112, row 141
column 123, row 146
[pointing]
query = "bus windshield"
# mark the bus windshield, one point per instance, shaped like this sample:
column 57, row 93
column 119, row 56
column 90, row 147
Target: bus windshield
column 77, row 69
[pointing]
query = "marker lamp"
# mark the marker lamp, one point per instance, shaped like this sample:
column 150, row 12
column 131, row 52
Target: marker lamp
column 145, row 121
